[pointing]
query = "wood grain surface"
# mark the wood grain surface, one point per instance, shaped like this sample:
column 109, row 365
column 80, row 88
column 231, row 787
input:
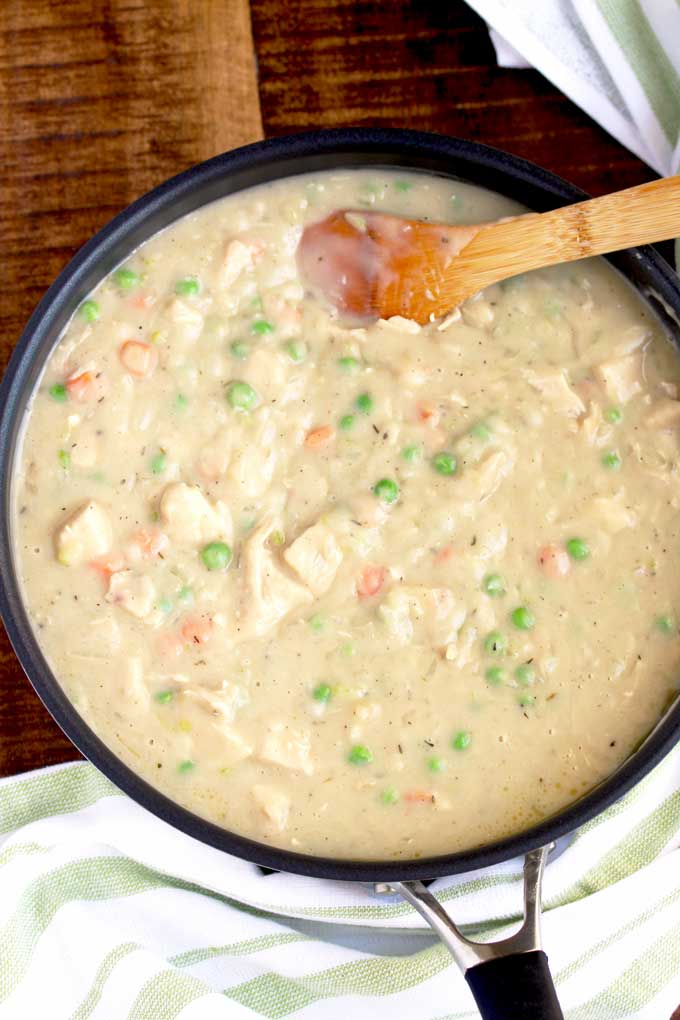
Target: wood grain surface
column 100, row 102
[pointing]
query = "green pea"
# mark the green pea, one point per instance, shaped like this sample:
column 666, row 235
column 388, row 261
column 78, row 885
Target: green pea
column 186, row 594
column 386, row 490
column 163, row 697
column 159, row 463
column 165, row 605
column 346, row 422
column 403, row 185
column 242, row 396
column 444, row 463
column 461, row 740
column 277, row 538
column 186, row 766
column 522, row 618
column 216, row 555
column 261, row 326
column 577, row 549
column 349, row 364
column 525, row 675
column 181, row 402
column 317, row 623
column 480, row 431
column 611, row 460
column 126, row 279
column 526, row 700
column 322, row 692
column 64, row 458
column 613, row 415
column 348, row 649
column 495, row 643
column 240, row 349
column 493, row 586
column 89, row 311
column 58, row 392
column 360, row 755
column 495, row 676
column 436, row 764
column 296, row 350
column 665, row 625
column 411, row 453
column 364, row 403
column 188, row 286
column 389, row 796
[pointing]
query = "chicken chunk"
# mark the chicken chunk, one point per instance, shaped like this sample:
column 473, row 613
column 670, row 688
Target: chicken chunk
column 422, row 615
column 621, row 377
column 593, row 428
column 133, row 687
column 480, row 480
column 252, row 466
column 613, row 514
column 289, row 747
column 86, row 534
column 187, row 320
column 133, row 592
column 215, row 456
column 237, row 258
column 266, row 371
column 268, row 594
column 315, row 557
column 188, row 517
column 665, row 414
column 274, row 804
column 557, row 392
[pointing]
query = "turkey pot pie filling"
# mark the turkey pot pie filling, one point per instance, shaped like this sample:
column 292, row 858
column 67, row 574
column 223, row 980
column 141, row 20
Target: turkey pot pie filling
column 380, row 591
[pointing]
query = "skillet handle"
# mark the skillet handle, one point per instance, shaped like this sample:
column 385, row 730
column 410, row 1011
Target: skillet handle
column 517, row 987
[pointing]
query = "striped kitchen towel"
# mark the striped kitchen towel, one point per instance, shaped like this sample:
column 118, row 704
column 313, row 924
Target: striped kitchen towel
column 107, row 913
column 619, row 60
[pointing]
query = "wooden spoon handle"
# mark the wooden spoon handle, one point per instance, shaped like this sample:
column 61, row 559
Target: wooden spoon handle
column 641, row 215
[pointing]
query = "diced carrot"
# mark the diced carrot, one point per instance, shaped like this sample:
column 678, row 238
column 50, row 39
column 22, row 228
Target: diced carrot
column 419, row 796
column 142, row 301
column 428, row 414
column 170, row 646
column 80, row 387
column 197, row 630
column 108, row 565
column 319, row 437
column 554, row 561
column 138, row 358
column 146, row 543
column 371, row 581
column 443, row 555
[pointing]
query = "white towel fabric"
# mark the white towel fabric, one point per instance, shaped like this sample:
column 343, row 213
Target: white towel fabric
column 619, row 60
column 107, row 913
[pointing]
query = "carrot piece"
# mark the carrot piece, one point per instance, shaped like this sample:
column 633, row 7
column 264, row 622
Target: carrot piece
column 428, row 413
column 419, row 796
column 108, row 565
column 79, row 387
column 197, row 630
column 371, row 581
column 319, row 437
column 142, row 301
column 138, row 358
column 443, row 555
column 554, row 561
column 147, row 543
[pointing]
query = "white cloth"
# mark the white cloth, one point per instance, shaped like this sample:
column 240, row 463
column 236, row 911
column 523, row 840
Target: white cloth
column 107, row 913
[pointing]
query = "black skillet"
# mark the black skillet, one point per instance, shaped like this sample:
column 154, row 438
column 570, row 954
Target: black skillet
column 510, row 979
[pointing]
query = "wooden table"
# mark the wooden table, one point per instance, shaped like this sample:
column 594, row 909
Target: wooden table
column 97, row 109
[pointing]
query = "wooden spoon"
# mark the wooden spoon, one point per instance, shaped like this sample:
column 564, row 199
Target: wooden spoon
column 370, row 264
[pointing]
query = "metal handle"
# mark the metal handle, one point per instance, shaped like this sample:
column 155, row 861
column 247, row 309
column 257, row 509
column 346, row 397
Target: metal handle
column 519, row 987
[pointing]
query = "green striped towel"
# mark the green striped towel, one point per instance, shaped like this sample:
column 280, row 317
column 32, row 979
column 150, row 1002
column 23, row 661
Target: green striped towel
column 617, row 59
column 108, row 913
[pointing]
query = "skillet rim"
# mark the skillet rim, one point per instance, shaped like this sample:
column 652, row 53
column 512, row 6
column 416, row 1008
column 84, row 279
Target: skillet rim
column 221, row 175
